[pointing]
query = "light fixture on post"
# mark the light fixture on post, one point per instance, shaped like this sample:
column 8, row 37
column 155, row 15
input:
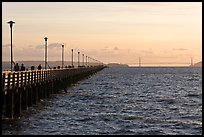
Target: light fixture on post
column 62, row 56
column 45, row 52
column 72, row 59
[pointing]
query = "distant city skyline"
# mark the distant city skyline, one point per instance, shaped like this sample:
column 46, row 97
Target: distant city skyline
column 111, row 32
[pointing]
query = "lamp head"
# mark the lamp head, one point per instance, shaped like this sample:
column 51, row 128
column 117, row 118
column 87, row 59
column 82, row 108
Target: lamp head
column 45, row 38
column 11, row 23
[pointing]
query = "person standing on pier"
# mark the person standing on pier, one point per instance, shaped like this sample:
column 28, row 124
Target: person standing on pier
column 39, row 67
column 22, row 67
column 16, row 67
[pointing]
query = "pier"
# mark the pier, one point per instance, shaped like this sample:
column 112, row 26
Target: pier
column 23, row 89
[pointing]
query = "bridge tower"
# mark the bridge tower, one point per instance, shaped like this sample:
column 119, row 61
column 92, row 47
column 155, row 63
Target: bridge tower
column 191, row 61
column 139, row 61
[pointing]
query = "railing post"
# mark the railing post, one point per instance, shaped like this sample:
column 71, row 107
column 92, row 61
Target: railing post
column 39, row 86
column 24, row 92
column 35, row 88
column 3, row 91
column 45, row 86
column 30, row 90
column 17, row 97
column 9, row 98
column 47, row 83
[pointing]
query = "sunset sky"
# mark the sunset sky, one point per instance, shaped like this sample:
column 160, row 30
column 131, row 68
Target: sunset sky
column 158, row 32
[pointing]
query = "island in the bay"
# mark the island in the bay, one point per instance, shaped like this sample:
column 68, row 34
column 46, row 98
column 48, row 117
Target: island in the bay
column 117, row 65
column 198, row 64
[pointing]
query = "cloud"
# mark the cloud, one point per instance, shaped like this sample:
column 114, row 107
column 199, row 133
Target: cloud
column 115, row 48
column 7, row 46
column 50, row 46
column 180, row 49
column 147, row 51
column 55, row 45
column 105, row 48
column 31, row 46
column 40, row 46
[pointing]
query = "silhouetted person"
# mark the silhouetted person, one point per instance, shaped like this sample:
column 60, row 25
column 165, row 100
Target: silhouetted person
column 39, row 67
column 16, row 67
column 32, row 67
column 22, row 67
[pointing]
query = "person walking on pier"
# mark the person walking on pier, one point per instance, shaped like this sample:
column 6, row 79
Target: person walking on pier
column 39, row 67
column 22, row 67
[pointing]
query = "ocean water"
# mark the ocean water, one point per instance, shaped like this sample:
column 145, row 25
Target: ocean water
column 120, row 101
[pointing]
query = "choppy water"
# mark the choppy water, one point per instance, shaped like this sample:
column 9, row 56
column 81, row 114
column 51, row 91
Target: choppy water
column 147, row 101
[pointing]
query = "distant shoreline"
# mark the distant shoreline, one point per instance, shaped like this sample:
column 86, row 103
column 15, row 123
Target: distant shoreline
column 28, row 64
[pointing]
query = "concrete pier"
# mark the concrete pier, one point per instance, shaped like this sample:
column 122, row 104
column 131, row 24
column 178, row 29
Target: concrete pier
column 23, row 89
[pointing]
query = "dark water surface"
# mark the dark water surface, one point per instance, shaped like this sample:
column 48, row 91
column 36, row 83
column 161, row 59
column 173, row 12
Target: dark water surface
column 147, row 101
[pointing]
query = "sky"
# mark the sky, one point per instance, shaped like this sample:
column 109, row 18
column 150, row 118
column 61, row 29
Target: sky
column 161, row 33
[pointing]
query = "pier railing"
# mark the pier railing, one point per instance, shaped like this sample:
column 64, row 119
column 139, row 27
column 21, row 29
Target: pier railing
column 22, row 89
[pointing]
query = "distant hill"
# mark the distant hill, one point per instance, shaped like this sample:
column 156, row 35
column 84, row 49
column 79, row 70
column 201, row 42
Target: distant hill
column 117, row 65
column 199, row 64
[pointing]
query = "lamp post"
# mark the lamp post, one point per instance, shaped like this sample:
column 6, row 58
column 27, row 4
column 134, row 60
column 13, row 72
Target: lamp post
column 86, row 61
column 72, row 59
column 11, row 25
column 83, row 59
column 62, row 56
column 78, row 58
column 45, row 52
column 89, row 61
